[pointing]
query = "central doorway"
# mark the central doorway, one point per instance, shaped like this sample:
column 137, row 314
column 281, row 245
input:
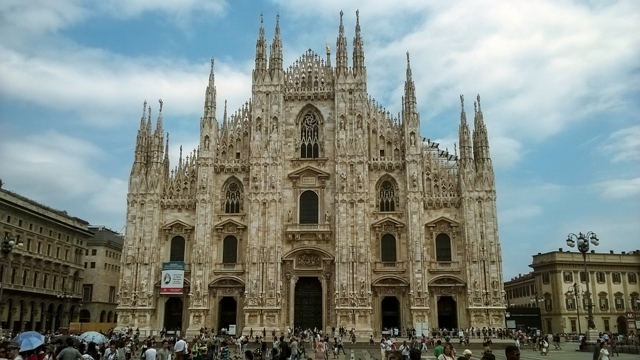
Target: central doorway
column 227, row 316
column 308, row 303
column 447, row 313
column 173, row 314
column 390, row 308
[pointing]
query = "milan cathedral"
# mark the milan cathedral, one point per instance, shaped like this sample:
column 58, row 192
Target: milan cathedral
column 313, row 206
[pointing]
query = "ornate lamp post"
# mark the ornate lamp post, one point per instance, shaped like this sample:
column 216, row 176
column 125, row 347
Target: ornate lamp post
column 583, row 247
column 65, row 297
column 576, row 290
column 7, row 245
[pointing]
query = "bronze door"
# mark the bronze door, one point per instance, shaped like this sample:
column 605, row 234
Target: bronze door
column 308, row 303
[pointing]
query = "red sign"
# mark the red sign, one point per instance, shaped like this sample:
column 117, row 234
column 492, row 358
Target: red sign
column 630, row 315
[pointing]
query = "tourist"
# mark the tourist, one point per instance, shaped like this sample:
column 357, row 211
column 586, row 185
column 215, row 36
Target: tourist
column 13, row 351
column 69, row 353
column 447, row 353
column 512, row 352
column 164, row 353
column 319, row 351
column 439, row 349
column 604, row 351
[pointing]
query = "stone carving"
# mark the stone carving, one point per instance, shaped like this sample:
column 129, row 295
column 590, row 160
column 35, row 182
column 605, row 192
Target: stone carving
column 308, row 260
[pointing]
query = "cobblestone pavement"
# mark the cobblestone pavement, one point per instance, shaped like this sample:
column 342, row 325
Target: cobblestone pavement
column 568, row 352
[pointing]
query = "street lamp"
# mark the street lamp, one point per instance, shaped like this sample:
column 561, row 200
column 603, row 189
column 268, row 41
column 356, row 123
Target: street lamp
column 65, row 297
column 635, row 317
column 583, row 247
column 7, row 244
column 576, row 290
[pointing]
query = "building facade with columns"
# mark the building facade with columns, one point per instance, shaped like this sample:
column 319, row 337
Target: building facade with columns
column 42, row 279
column 556, row 278
column 313, row 206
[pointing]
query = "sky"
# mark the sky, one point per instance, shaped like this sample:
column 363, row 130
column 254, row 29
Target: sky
column 559, row 81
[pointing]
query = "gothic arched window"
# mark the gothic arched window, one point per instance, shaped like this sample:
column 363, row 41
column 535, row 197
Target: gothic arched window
column 233, row 198
column 230, row 250
column 388, row 248
column 177, row 249
column 309, row 208
column 443, row 247
column 309, row 143
column 387, row 197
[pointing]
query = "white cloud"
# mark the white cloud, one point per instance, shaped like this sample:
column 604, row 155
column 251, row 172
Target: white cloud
column 61, row 159
column 106, row 89
column 624, row 144
column 519, row 214
column 619, row 188
column 60, row 171
column 23, row 19
column 131, row 8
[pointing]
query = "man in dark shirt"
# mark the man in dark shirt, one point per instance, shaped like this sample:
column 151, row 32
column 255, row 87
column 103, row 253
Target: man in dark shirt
column 69, row 353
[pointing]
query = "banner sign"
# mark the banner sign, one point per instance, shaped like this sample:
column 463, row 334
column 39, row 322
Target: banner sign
column 172, row 281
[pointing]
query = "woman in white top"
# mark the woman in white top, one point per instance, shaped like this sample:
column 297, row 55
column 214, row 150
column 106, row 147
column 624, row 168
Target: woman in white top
column 604, row 351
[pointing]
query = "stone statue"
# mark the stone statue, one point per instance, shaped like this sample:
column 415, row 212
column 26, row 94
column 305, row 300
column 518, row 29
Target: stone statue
column 289, row 216
column 327, row 217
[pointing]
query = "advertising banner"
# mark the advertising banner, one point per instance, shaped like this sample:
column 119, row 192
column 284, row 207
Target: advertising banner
column 172, row 281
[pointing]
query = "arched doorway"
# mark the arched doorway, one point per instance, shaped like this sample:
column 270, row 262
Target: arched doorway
column 227, row 312
column 447, row 313
column 173, row 314
column 622, row 325
column 390, row 309
column 85, row 316
column 58, row 319
column 308, row 303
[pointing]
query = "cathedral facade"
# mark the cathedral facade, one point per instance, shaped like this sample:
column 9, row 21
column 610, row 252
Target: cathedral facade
column 312, row 206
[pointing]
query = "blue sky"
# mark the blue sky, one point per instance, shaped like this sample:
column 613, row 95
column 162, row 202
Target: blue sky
column 559, row 80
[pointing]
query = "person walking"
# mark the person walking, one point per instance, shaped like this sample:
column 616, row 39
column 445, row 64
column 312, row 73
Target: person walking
column 340, row 346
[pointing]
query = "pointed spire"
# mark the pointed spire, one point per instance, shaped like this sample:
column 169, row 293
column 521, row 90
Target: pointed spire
column 224, row 117
column 358, row 47
column 149, row 121
column 144, row 113
column 275, row 62
column 464, row 137
column 210, row 97
column 159, row 121
column 409, row 103
column 261, row 48
column 341, row 49
column 480, row 139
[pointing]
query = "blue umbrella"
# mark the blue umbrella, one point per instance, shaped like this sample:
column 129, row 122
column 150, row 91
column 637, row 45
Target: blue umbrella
column 93, row 336
column 28, row 334
column 29, row 343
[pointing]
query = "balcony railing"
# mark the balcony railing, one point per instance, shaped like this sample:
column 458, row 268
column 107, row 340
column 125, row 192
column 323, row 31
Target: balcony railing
column 445, row 266
column 308, row 231
column 226, row 268
column 389, row 267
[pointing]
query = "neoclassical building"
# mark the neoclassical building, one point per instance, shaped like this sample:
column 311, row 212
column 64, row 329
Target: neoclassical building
column 558, row 275
column 313, row 206
column 42, row 280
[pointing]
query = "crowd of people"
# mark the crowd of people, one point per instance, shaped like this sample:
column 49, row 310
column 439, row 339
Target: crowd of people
column 293, row 344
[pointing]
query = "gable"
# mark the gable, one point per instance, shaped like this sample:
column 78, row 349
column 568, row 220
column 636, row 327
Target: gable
column 177, row 226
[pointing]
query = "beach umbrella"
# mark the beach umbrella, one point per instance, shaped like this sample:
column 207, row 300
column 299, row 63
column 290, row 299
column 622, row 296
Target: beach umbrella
column 93, row 336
